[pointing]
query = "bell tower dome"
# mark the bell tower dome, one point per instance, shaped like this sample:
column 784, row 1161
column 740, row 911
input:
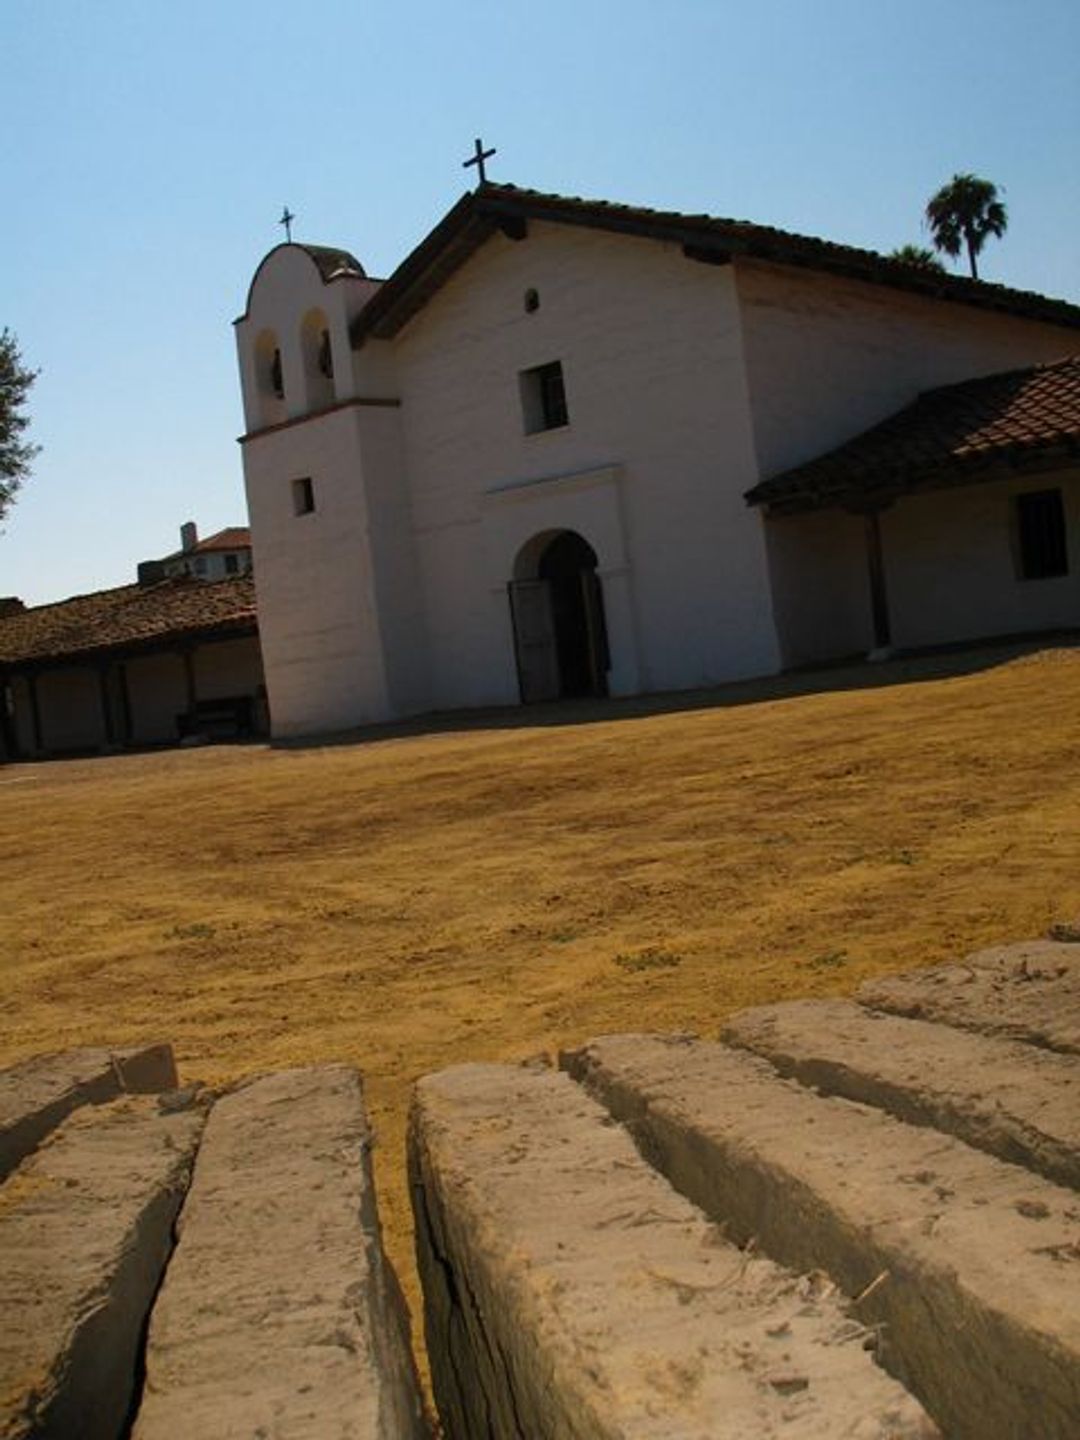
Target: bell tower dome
column 293, row 337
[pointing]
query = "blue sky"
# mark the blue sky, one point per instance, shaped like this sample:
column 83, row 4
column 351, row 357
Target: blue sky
column 151, row 148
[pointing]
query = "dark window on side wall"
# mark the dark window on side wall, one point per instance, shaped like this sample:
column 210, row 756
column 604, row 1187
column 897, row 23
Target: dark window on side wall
column 232, row 564
column 303, row 496
column 1040, row 533
column 543, row 398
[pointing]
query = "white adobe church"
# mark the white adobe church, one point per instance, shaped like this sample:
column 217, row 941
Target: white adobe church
column 576, row 448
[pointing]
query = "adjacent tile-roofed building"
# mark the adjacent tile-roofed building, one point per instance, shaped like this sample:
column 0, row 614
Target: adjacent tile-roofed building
column 225, row 553
column 1016, row 422
column 127, row 618
column 234, row 537
column 139, row 664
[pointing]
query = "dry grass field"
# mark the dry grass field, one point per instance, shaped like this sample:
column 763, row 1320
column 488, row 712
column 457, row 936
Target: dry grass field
column 494, row 891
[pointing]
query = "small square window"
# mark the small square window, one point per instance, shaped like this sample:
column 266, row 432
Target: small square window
column 1040, row 535
column 543, row 398
column 232, row 564
column 303, row 496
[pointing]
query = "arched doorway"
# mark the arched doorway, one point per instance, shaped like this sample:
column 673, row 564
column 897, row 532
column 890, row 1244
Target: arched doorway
column 557, row 607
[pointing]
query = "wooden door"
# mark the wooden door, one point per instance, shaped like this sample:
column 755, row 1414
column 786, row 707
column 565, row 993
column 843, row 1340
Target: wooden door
column 596, row 630
column 534, row 640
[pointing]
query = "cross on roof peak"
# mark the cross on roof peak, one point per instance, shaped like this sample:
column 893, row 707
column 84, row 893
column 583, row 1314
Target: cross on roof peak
column 287, row 217
column 478, row 158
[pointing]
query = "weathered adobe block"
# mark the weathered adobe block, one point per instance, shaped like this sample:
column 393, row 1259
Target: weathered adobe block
column 85, row 1230
column 38, row 1094
column 969, row 1266
column 571, row 1294
column 280, row 1314
column 1029, row 991
column 1012, row 1100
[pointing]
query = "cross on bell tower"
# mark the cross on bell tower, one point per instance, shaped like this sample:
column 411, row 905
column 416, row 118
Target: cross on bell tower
column 287, row 217
column 478, row 160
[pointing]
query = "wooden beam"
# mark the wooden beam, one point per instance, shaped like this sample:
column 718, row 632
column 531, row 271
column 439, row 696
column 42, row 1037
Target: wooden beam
column 704, row 255
column 879, row 597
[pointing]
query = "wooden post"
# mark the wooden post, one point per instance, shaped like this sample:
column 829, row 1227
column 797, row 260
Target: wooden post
column 127, row 729
column 188, row 656
column 9, row 746
column 879, row 597
column 35, row 712
column 106, row 707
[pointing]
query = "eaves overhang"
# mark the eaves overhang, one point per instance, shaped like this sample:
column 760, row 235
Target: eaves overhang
column 491, row 208
column 885, row 485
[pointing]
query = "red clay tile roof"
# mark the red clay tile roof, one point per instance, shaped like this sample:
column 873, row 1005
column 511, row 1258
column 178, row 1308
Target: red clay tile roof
column 1021, row 420
column 236, row 537
column 133, row 617
column 489, row 208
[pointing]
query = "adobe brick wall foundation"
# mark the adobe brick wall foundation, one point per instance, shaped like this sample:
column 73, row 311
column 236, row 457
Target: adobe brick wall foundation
column 36, row 1096
column 847, row 1219
column 280, row 1314
column 571, row 1291
column 268, row 1309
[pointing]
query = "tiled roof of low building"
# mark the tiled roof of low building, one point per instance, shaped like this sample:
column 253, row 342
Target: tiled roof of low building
column 235, row 537
column 710, row 238
column 132, row 617
column 1020, row 420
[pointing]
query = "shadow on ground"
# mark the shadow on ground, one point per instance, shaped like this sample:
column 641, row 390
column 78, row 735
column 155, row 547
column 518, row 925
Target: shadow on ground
column 856, row 673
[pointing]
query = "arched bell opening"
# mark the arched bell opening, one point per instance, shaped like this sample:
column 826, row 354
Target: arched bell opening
column 557, row 608
column 269, row 377
column 318, row 356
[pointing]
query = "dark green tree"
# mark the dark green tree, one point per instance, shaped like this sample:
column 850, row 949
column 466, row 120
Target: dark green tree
column 963, row 215
column 916, row 255
column 16, row 454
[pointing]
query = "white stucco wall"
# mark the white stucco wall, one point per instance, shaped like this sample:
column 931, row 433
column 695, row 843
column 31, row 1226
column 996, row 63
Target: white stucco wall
column 314, row 578
column 951, row 564
column 391, row 543
column 821, row 587
column 651, row 352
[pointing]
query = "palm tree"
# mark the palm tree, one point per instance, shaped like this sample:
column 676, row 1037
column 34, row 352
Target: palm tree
column 963, row 213
column 916, row 255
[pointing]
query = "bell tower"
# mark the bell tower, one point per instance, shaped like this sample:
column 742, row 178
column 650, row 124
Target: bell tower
column 327, row 498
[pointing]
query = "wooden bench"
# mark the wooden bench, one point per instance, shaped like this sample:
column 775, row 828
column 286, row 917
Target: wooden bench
column 228, row 716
